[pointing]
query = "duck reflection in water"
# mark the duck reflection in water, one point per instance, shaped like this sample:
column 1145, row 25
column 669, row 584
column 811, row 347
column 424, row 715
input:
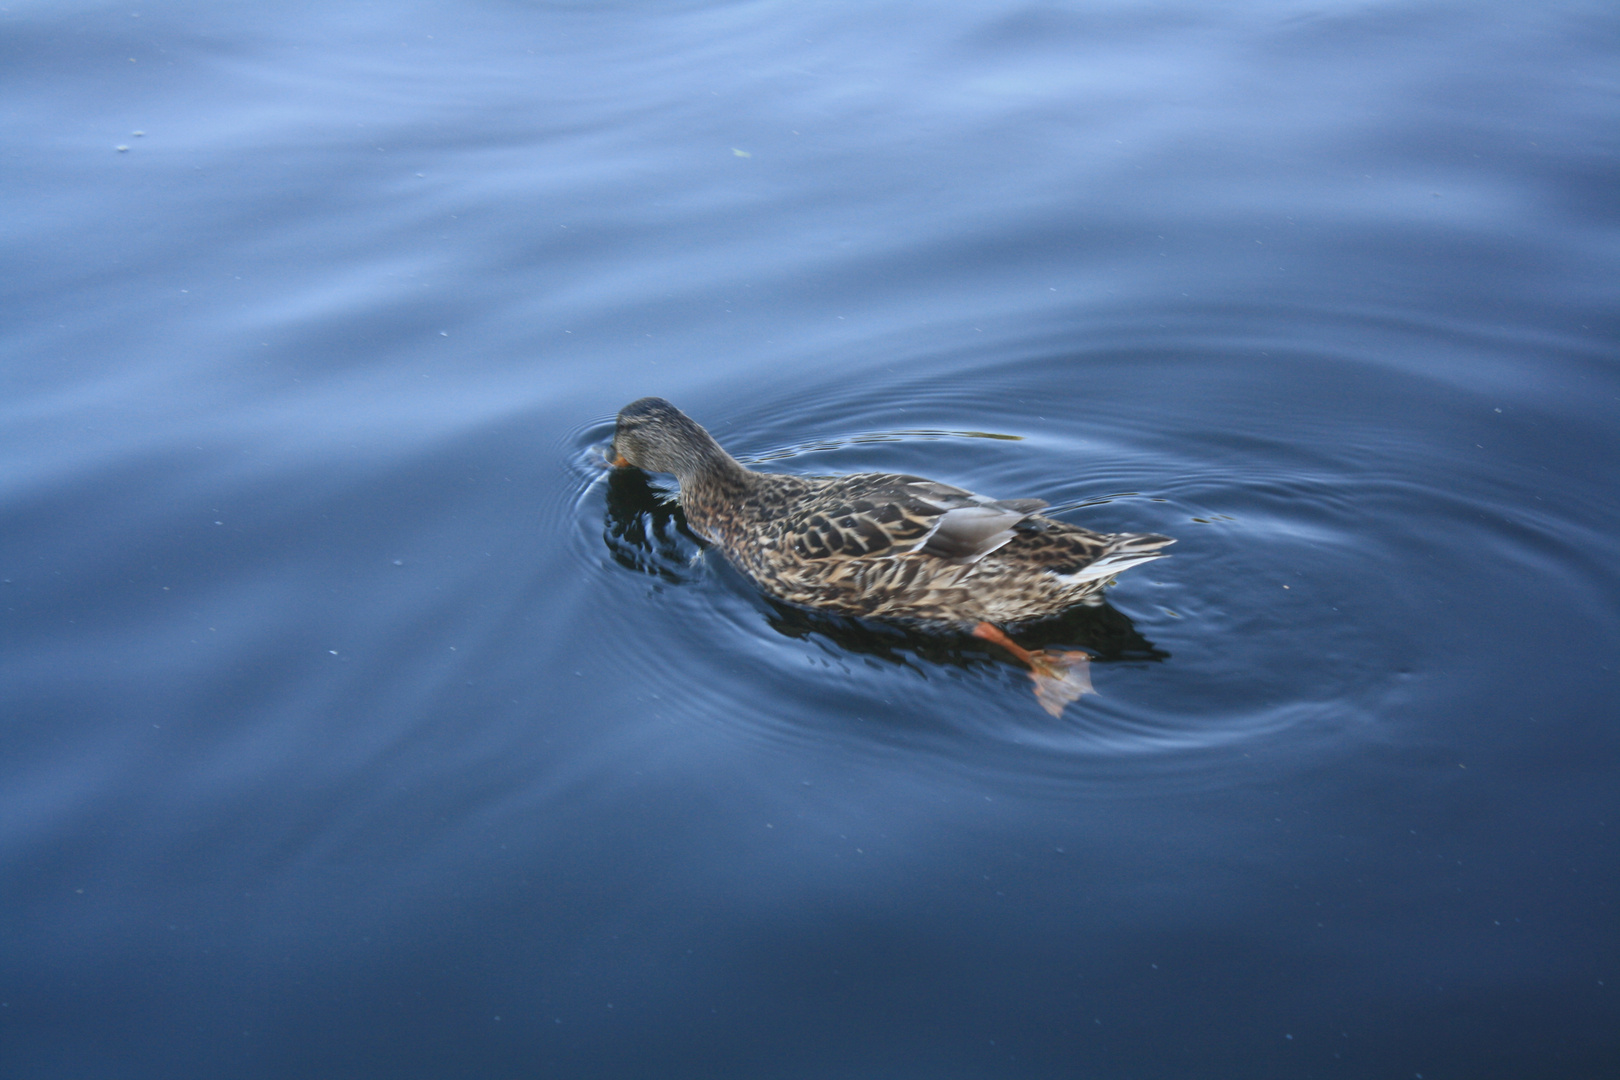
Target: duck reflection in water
column 872, row 555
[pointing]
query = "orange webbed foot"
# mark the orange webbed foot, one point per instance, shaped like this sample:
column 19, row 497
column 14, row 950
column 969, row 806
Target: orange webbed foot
column 1059, row 676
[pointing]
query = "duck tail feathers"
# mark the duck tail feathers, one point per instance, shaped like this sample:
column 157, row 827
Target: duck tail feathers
column 1124, row 551
column 1132, row 542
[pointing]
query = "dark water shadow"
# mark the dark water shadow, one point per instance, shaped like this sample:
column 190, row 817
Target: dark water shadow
column 645, row 530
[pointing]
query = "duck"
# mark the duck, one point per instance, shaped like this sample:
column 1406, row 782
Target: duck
column 888, row 546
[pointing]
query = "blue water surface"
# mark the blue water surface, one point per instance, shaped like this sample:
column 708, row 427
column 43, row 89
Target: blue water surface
column 357, row 721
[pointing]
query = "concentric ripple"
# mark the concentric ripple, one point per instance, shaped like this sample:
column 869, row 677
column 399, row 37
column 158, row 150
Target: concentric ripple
column 1256, row 624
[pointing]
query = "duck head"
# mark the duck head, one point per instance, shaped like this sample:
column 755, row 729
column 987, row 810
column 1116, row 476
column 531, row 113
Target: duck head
column 654, row 435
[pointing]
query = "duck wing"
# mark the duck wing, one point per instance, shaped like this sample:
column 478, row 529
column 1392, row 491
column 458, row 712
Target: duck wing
column 879, row 515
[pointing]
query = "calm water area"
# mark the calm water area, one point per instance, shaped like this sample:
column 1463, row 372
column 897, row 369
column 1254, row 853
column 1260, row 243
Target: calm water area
column 357, row 722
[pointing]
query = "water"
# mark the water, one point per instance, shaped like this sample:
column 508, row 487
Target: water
column 359, row 723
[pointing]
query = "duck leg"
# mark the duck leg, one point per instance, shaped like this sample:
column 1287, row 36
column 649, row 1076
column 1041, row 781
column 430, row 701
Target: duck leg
column 1060, row 677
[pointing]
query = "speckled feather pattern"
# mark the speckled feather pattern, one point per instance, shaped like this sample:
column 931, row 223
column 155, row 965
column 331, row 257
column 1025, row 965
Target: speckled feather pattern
column 871, row 544
column 810, row 540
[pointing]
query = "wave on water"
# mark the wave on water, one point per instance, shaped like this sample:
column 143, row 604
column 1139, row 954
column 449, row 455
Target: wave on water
column 1177, row 663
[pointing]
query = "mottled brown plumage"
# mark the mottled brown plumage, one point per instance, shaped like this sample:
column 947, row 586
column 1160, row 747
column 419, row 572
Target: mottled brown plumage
column 882, row 545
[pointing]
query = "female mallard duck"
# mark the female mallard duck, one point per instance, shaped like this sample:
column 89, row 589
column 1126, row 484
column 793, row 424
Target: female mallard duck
column 885, row 546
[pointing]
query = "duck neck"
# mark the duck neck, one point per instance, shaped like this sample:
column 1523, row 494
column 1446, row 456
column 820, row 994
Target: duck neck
column 711, row 491
column 716, row 471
